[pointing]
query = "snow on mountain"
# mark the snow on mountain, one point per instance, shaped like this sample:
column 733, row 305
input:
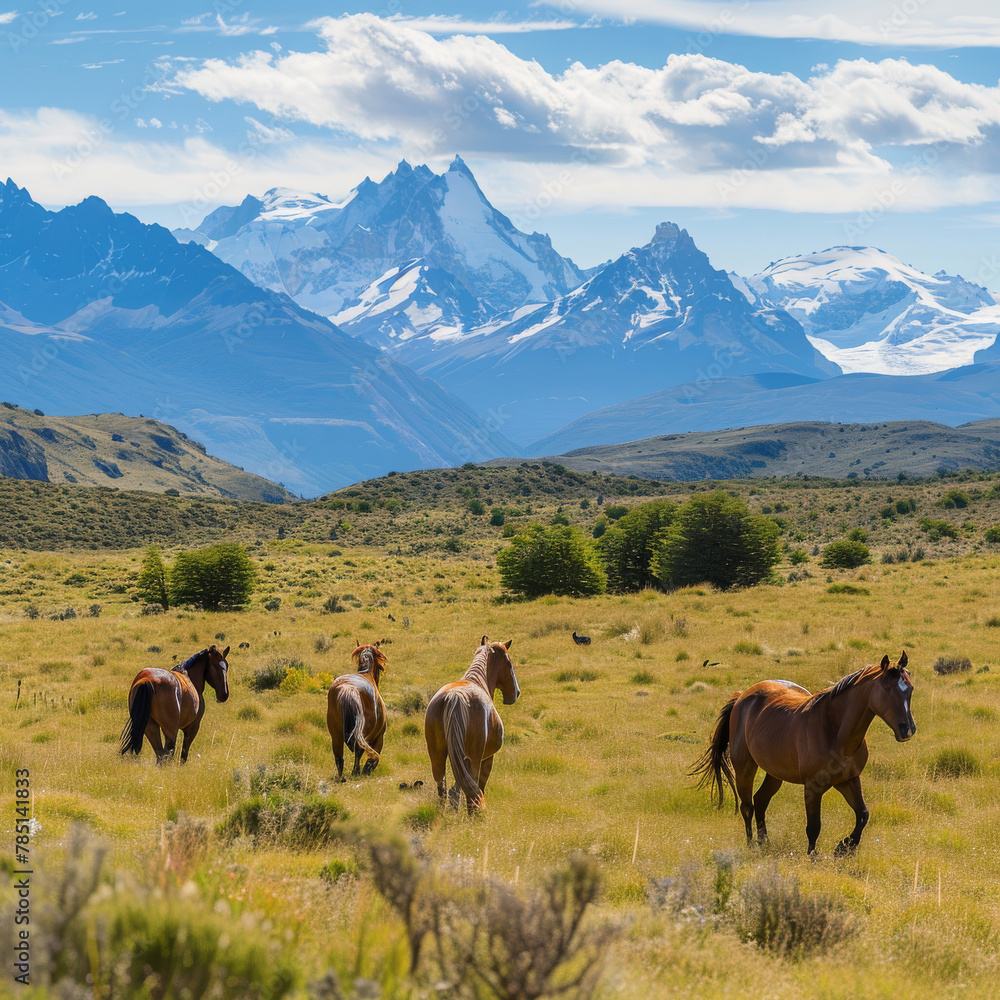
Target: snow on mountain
column 101, row 312
column 869, row 312
column 659, row 315
column 338, row 258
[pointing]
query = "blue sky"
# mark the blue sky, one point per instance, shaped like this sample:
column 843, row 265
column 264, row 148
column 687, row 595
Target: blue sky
column 765, row 127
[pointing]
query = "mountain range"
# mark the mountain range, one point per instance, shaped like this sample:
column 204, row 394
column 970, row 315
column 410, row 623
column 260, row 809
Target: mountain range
column 318, row 341
column 101, row 312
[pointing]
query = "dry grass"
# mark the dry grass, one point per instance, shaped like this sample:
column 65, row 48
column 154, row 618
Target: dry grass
column 590, row 755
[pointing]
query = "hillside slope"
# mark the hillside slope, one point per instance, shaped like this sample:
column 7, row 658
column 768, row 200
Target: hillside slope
column 127, row 453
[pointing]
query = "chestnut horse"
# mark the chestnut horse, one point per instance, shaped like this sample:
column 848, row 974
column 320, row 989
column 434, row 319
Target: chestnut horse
column 813, row 740
column 171, row 700
column 355, row 712
column 462, row 723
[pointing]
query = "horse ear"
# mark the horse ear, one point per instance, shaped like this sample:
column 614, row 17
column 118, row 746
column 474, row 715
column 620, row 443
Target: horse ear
column 485, row 639
column 356, row 644
column 885, row 661
column 902, row 660
column 506, row 645
column 225, row 652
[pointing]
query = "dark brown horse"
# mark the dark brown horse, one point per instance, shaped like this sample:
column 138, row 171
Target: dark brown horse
column 813, row 740
column 173, row 700
column 462, row 723
column 355, row 712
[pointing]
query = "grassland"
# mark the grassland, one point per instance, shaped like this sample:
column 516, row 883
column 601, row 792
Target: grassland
column 597, row 747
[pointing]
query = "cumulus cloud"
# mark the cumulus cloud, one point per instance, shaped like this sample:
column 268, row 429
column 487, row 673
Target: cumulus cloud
column 865, row 22
column 7, row 16
column 385, row 81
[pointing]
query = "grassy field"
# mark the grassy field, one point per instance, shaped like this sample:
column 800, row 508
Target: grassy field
column 595, row 760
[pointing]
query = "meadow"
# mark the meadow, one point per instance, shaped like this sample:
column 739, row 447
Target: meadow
column 594, row 764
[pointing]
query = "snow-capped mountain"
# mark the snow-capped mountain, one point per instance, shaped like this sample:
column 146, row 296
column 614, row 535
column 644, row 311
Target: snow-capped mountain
column 869, row 312
column 416, row 252
column 101, row 312
column 657, row 316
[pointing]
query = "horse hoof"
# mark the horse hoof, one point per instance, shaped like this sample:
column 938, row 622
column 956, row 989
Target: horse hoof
column 844, row 848
column 342, row 781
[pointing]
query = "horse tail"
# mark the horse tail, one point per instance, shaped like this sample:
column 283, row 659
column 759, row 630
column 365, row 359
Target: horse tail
column 138, row 717
column 456, row 722
column 353, row 704
column 714, row 763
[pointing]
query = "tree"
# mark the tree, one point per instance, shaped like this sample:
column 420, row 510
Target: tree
column 152, row 586
column 221, row 576
column 554, row 560
column 845, row 555
column 715, row 539
column 625, row 547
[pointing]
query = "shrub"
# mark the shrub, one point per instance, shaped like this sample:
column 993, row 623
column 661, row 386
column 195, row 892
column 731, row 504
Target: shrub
column 497, row 517
column 715, row 538
column 954, row 498
column 845, row 555
column 748, row 648
column 269, row 677
column 476, row 507
column 776, row 915
column 625, row 547
column 798, row 556
column 936, row 529
column 955, row 763
column 992, row 534
column 953, row 664
column 335, row 870
column 272, row 604
column 858, row 535
column 553, row 560
column 847, row 588
column 220, row 576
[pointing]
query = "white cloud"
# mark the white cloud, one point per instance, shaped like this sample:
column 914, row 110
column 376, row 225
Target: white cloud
column 384, row 81
column 89, row 16
column 7, row 16
column 243, row 25
column 865, row 22
column 445, row 24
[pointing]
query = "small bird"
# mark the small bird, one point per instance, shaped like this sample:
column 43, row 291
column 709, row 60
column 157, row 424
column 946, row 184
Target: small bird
column 707, row 664
column 390, row 618
column 244, row 645
column 581, row 640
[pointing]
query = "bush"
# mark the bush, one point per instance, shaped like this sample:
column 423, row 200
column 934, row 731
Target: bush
column 954, row 498
column 798, row 556
column 845, row 555
column 269, row 677
column 497, row 517
column 952, row 664
column 625, row 547
column 220, row 576
column 936, row 528
column 776, row 915
column 847, row 588
column 553, row 560
column 992, row 534
column 715, row 539
column 955, row 763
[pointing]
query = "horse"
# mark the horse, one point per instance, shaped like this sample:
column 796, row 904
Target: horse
column 815, row 740
column 462, row 723
column 171, row 700
column 355, row 712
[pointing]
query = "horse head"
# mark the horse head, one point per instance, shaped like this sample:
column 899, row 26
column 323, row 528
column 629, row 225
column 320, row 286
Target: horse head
column 217, row 672
column 370, row 660
column 890, row 698
column 506, row 679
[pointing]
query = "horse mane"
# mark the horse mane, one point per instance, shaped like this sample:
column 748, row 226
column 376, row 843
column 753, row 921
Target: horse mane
column 182, row 668
column 851, row 680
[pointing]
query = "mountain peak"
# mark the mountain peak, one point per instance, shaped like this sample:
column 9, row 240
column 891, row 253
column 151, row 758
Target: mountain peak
column 667, row 232
column 459, row 165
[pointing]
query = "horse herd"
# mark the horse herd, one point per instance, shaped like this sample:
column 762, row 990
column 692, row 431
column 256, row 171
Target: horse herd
column 461, row 722
column 814, row 740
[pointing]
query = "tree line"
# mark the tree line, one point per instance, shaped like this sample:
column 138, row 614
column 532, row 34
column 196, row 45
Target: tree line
column 713, row 538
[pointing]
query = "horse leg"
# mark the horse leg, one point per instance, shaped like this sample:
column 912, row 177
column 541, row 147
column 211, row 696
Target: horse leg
column 851, row 790
column 484, row 773
column 153, row 735
column 761, row 800
column 814, row 800
column 169, row 742
column 372, row 762
column 189, row 734
column 358, row 754
column 746, row 771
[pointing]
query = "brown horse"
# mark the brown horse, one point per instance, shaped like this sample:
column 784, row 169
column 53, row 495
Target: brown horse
column 462, row 723
column 171, row 700
column 813, row 740
column 355, row 712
